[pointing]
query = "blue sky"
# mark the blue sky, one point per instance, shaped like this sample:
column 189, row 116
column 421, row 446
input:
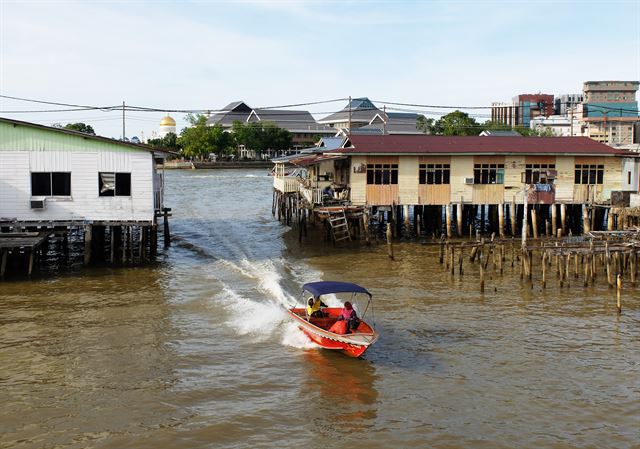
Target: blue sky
column 205, row 54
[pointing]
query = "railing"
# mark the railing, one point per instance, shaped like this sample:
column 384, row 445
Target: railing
column 313, row 196
column 158, row 191
column 286, row 184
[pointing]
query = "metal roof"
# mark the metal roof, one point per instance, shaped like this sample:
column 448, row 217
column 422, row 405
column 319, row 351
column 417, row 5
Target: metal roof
column 327, row 287
column 135, row 146
column 427, row 144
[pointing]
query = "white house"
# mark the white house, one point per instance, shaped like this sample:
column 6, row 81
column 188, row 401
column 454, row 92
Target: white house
column 57, row 175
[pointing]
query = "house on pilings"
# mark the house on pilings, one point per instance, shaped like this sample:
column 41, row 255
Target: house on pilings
column 56, row 184
column 460, row 184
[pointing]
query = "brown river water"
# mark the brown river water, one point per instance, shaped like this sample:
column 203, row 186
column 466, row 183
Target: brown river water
column 195, row 351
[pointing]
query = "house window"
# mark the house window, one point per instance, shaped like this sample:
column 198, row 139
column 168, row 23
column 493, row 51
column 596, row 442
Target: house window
column 488, row 174
column 628, row 177
column 114, row 184
column 50, row 184
column 382, row 174
column 589, row 174
column 532, row 173
column 434, row 173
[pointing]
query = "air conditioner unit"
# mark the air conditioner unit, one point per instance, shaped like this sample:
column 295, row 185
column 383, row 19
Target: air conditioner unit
column 468, row 180
column 38, row 203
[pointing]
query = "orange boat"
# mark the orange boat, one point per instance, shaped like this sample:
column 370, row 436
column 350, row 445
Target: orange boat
column 319, row 330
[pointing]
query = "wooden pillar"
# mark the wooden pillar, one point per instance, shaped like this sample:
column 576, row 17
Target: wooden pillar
column 459, row 214
column 448, row 215
column 390, row 241
column 154, row 240
column 513, row 218
column 534, row 222
column 586, row 224
column 501, row 219
column 405, row 212
column 167, row 235
column 143, row 243
column 554, row 220
column 31, row 254
column 112, row 244
column 3, row 262
column 88, row 234
column 563, row 218
column 130, row 243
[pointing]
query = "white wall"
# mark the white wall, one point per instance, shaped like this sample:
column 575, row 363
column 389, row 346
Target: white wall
column 84, row 203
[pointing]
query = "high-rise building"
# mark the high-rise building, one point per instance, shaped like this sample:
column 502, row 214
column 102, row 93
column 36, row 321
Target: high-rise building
column 523, row 109
column 610, row 110
column 563, row 103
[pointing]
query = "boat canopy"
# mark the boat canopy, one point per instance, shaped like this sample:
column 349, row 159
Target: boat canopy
column 328, row 287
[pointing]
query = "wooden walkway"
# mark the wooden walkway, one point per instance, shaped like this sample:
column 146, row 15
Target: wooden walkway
column 20, row 241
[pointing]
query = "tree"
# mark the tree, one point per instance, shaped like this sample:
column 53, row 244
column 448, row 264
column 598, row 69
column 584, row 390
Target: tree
column 457, row 123
column 200, row 139
column 80, row 127
column 262, row 136
column 169, row 142
column 425, row 124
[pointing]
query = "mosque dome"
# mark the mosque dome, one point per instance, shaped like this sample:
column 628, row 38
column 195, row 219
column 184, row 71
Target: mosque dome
column 167, row 121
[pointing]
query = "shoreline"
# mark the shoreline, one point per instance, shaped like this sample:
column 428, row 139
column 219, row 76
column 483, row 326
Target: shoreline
column 188, row 165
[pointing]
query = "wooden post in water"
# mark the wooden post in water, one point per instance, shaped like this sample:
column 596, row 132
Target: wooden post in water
column 554, row 219
column 167, row 235
column 544, row 269
column 587, row 268
column 460, row 257
column 563, row 217
column 453, row 265
column 441, row 254
column 632, row 266
column 501, row 219
column 3, row 262
column 608, row 261
column 365, row 225
column 112, row 244
column 512, row 213
column 459, row 219
column 534, row 222
column 405, row 213
column 88, row 235
column 618, row 291
column 448, row 214
column 390, row 241
column 481, row 272
column 586, row 224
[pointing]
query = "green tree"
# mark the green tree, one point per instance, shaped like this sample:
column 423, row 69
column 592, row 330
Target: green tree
column 199, row 140
column 262, row 136
column 424, row 124
column 169, row 142
column 80, row 127
column 457, row 123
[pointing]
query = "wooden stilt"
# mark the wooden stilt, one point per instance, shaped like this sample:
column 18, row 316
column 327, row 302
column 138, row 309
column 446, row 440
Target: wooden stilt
column 448, row 217
column 88, row 235
column 554, row 220
column 618, row 293
column 586, row 223
column 31, row 255
column 112, row 244
column 167, row 235
column 513, row 216
column 3, row 262
column 390, row 241
column 459, row 219
column 563, row 217
column 501, row 219
column 534, row 222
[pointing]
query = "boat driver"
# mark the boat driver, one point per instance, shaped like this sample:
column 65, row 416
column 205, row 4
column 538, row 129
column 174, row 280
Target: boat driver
column 314, row 307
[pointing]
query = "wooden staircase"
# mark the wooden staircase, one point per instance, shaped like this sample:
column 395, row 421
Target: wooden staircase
column 339, row 226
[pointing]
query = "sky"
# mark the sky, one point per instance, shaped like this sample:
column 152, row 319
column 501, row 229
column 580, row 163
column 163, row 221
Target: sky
column 203, row 55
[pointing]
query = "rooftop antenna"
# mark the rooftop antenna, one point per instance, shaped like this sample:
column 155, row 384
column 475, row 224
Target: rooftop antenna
column 123, row 129
column 384, row 120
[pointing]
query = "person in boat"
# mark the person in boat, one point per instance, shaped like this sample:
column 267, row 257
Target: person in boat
column 350, row 316
column 314, row 307
column 327, row 192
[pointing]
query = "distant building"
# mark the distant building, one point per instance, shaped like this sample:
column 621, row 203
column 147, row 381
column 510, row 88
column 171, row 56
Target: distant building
column 500, row 133
column 610, row 111
column 167, row 125
column 523, row 109
column 303, row 127
column 563, row 103
column 560, row 125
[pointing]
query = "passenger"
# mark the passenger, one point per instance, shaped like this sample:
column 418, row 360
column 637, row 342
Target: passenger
column 328, row 192
column 314, row 307
column 350, row 316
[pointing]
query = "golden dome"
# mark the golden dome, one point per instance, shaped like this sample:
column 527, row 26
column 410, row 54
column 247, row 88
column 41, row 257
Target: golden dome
column 167, row 121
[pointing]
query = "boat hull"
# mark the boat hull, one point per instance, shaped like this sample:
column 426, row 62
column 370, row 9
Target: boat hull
column 354, row 344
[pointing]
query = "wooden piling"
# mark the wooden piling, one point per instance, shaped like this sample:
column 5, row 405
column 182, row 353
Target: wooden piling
column 112, row 244
column 481, row 273
column 448, row 217
column 167, row 235
column 3, row 262
column 618, row 292
column 501, row 219
column 88, row 235
column 563, row 217
column 460, row 257
column 554, row 220
column 534, row 222
column 390, row 241
column 586, row 224
column 544, row 269
column 513, row 216
column 633, row 266
column 441, row 254
column 459, row 219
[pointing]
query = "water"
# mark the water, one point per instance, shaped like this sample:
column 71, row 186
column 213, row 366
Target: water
column 195, row 351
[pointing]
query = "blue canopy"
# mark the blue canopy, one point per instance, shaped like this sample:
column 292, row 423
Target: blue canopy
column 328, row 287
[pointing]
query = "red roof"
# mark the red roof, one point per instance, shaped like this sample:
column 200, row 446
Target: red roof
column 425, row 144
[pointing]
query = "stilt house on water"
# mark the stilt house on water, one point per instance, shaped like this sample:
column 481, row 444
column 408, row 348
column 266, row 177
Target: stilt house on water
column 56, row 184
column 457, row 184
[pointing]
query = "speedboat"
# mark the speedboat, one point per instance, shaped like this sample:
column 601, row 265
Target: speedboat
column 320, row 330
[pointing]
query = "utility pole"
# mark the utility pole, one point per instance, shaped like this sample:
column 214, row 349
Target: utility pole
column 570, row 118
column 123, row 130
column 349, row 114
column 384, row 120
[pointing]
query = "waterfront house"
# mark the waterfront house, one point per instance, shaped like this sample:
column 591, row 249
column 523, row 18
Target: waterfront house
column 471, row 171
column 54, row 178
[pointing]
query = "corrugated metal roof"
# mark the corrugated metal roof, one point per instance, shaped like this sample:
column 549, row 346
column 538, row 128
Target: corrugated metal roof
column 426, row 144
column 70, row 139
